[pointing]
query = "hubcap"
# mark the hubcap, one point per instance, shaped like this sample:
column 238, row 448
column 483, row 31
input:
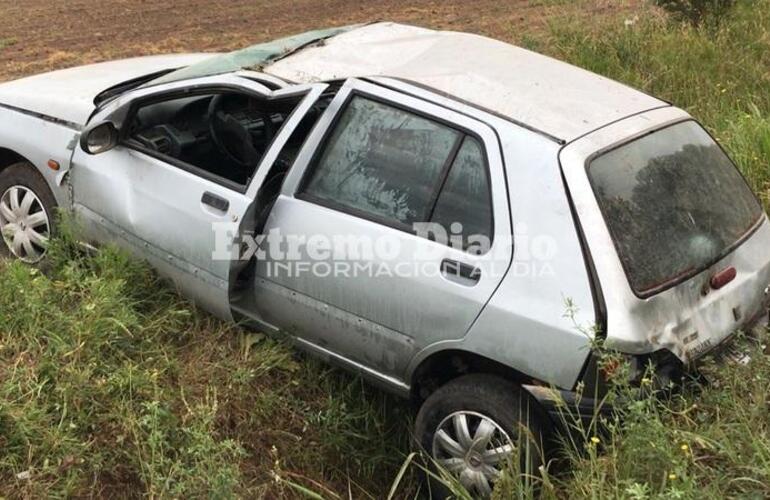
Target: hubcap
column 24, row 223
column 474, row 448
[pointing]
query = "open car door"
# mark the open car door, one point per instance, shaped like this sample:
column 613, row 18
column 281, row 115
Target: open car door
column 167, row 195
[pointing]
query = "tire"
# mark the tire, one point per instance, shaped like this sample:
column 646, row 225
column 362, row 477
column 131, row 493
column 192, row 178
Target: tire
column 473, row 399
column 26, row 228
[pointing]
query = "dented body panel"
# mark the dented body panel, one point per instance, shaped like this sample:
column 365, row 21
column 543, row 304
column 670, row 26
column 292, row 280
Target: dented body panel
column 547, row 95
column 389, row 318
column 122, row 203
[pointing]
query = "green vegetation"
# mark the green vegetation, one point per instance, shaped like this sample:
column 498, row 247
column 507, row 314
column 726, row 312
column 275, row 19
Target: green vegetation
column 6, row 42
column 712, row 443
column 698, row 12
column 110, row 385
column 703, row 442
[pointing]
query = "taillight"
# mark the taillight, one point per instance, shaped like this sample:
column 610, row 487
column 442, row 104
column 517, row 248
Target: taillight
column 722, row 278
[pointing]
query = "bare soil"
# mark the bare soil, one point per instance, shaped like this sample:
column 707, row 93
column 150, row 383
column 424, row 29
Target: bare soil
column 40, row 35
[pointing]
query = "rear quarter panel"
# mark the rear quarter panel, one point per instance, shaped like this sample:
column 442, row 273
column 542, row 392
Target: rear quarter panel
column 541, row 318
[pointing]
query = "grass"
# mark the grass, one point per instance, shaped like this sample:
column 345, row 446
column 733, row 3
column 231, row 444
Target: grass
column 111, row 385
column 709, row 444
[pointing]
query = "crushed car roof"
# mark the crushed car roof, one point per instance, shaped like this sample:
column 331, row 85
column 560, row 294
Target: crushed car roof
column 548, row 95
column 254, row 57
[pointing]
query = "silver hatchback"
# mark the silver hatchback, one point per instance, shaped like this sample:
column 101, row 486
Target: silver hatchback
column 455, row 218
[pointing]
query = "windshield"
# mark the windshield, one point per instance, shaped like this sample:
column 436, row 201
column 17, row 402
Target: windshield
column 674, row 203
column 254, row 57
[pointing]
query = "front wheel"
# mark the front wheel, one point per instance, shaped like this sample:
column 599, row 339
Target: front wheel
column 26, row 212
column 479, row 429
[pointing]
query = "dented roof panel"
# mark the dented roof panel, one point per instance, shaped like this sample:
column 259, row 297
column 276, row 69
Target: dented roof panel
column 554, row 97
column 253, row 57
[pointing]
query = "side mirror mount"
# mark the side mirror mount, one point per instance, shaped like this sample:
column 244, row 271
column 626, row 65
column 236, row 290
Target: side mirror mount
column 99, row 138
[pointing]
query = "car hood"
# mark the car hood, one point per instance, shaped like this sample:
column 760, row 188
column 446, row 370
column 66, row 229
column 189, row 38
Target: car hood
column 68, row 94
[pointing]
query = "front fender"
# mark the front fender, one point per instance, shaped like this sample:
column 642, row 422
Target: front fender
column 38, row 140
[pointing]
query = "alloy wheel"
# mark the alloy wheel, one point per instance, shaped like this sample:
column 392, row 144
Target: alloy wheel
column 24, row 223
column 473, row 448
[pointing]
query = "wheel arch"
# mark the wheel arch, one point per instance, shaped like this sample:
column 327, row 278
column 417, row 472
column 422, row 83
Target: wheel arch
column 9, row 157
column 448, row 364
column 36, row 160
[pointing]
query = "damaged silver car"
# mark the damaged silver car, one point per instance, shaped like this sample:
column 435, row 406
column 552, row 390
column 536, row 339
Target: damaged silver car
column 420, row 207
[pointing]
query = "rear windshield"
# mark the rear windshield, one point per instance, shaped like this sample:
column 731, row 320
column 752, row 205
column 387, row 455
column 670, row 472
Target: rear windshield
column 674, row 204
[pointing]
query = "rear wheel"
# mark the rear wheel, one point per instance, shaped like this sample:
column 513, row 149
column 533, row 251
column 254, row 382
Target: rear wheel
column 26, row 212
column 478, row 429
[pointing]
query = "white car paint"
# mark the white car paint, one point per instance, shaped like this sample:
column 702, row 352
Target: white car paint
column 68, row 94
column 557, row 98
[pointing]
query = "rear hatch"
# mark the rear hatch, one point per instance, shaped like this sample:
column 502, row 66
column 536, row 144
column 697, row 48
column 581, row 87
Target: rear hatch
column 680, row 244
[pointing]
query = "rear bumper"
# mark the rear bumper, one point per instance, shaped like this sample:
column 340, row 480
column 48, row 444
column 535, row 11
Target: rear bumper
column 754, row 327
column 566, row 408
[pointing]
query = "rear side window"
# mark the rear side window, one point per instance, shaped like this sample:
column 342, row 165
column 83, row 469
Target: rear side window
column 465, row 197
column 399, row 168
column 674, row 204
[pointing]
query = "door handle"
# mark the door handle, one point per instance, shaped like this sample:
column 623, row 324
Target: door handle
column 215, row 201
column 455, row 269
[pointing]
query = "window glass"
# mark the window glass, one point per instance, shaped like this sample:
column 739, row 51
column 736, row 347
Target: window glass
column 674, row 203
column 383, row 161
column 465, row 197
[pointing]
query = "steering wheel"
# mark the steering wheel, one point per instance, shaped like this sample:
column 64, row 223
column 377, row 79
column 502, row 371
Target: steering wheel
column 232, row 138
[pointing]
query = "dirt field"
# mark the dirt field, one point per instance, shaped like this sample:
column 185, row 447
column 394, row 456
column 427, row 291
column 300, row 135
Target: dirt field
column 40, row 34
